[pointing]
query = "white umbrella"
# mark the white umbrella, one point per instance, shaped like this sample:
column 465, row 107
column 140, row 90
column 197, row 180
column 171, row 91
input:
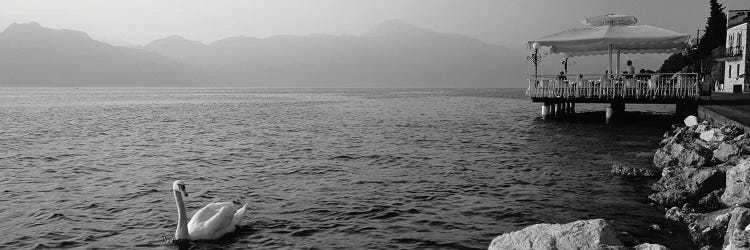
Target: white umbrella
column 611, row 33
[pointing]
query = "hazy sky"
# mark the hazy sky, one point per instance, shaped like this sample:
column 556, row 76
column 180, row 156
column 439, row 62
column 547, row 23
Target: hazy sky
column 507, row 22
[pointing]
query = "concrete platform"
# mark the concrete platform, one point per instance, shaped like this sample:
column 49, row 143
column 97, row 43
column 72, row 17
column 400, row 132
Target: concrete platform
column 726, row 109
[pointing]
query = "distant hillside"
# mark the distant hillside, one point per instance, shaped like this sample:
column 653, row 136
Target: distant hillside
column 393, row 54
column 32, row 55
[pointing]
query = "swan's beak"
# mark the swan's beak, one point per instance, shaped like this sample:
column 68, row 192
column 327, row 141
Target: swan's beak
column 184, row 191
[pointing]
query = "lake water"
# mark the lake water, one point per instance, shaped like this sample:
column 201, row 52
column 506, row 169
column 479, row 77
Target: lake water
column 320, row 168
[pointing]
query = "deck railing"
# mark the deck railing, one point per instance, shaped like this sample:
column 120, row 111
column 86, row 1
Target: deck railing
column 654, row 86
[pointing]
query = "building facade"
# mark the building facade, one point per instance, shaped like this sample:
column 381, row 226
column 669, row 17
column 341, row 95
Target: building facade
column 735, row 56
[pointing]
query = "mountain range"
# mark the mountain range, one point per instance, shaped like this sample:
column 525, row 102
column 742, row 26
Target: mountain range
column 392, row 54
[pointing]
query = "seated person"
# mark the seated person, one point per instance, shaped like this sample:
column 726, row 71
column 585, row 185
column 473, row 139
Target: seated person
column 642, row 75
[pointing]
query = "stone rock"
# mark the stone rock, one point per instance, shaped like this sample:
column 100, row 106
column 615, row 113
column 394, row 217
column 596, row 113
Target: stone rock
column 743, row 143
column 635, row 172
column 679, row 135
column 739, row 240
column 628, row 239
column 726, row 151
column 649, row 246
column 702, row 128
column 691, row 121
column 670, row 197
column 678, row 186
column 683, row 155
column 583, row 234
column 713, row 135
column 731, row 131
column 712, row 201
column 674, row 214
column 689, row 208
column 665, row 141
column 740, row 137
column 737, row 184
column 740, row 218
column 710, row 145
column 710, row 228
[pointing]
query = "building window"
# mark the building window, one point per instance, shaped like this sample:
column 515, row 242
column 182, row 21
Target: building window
column 738, row 70
column 730, row 71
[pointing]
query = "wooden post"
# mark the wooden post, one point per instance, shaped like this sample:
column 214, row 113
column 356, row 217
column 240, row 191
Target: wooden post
column 609, row 114
column 572, row 107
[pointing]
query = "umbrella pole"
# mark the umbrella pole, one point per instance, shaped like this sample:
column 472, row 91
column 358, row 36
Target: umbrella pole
column 610, row 60
column 618, row 62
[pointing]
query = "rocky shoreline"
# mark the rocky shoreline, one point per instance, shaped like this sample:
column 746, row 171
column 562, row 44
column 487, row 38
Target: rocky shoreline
column 704, row 184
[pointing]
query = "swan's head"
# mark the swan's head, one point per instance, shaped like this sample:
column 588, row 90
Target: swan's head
column 179, row 186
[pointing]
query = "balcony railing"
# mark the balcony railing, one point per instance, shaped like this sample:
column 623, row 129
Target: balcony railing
column 642, row 86
column 732, row 52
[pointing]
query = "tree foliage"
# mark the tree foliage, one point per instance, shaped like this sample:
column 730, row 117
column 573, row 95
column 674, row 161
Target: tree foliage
column 674, row 63
column 714, row 37
column 716, row 31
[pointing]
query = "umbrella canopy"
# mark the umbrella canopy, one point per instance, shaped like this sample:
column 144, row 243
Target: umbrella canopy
column 596, row 40
column 613, row 33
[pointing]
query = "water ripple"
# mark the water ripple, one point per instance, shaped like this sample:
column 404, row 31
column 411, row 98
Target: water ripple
column 320, row 169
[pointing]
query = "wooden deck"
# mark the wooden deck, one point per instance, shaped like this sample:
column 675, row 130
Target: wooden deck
column 645, row 88
column 560, row 93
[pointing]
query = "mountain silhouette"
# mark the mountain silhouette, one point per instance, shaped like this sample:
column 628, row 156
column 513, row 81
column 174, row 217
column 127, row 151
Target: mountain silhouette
column 36, row 56
column 392, row 54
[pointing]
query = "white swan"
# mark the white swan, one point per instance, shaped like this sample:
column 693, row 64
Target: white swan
column 211, row 222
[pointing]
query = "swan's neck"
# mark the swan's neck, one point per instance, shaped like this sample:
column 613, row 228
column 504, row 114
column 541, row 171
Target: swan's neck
column 182, row 230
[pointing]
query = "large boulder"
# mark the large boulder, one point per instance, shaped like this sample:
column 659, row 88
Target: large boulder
column 709, row 229
column 737, row 184
column 678, row 186
column 683, row 155
column 739, row 240
column 584, row 234
column 740, row 219
column 634, row 171
column 649, row 246
column 726, row 152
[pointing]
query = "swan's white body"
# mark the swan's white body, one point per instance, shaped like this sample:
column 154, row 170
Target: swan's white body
column 210, row 222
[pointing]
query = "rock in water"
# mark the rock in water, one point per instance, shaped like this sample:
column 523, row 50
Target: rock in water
column 635, row 172
column 709, row 229
column 584, row 234
column 691, row 121
column 649, row 246
column 737, row 184
column 674, row 214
